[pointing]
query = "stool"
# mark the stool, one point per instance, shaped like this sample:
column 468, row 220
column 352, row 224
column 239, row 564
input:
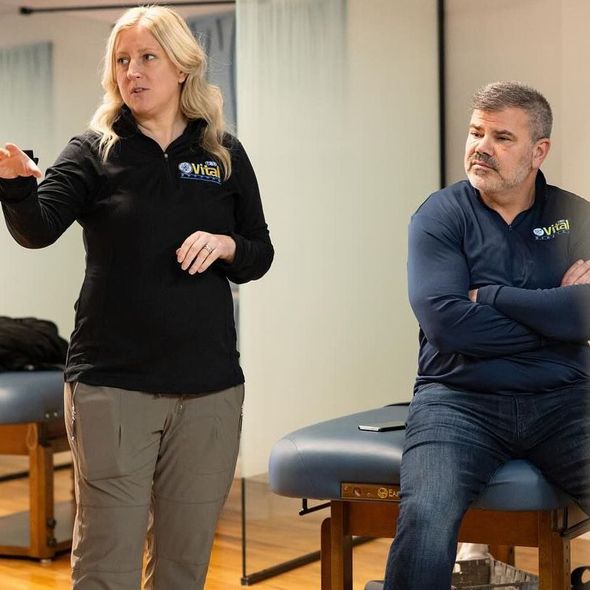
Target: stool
column 32, row 423
column 358, row 472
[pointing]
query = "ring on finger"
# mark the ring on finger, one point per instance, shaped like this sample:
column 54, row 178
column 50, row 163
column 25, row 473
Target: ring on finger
column 208, row 248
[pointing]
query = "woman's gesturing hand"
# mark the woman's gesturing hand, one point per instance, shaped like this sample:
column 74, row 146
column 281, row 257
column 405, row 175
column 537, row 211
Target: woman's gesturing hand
column 14, row 162
column 201, row 249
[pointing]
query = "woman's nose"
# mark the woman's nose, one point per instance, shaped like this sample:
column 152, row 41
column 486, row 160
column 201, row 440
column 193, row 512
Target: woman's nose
column 133, row 71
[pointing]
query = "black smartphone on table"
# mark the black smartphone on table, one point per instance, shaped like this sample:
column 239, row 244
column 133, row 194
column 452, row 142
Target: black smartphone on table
column 384, row 426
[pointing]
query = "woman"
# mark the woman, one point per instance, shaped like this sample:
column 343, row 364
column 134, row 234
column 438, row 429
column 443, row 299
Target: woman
column 170, row 210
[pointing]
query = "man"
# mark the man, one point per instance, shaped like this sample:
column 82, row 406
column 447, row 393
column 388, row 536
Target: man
column 499, row 275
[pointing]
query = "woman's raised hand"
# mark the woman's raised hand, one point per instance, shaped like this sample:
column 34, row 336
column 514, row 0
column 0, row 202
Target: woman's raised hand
column 14, row 162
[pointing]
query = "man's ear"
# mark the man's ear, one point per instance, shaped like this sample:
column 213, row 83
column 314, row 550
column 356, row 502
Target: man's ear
column 540, row 151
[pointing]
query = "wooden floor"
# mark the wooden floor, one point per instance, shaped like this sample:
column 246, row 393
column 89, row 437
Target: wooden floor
column 275, row 533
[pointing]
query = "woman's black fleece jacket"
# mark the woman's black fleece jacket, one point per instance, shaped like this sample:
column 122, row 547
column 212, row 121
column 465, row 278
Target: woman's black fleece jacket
column 142, row 323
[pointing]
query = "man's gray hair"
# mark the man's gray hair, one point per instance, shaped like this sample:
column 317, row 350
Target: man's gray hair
column 498, row 96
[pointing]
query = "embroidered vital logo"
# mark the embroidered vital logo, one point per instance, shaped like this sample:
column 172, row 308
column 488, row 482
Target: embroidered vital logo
column 548, row 233
column 208, row 171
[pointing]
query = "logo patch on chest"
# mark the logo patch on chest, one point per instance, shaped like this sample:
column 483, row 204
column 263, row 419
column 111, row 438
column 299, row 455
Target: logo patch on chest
column 207, row 171
column 552, row 231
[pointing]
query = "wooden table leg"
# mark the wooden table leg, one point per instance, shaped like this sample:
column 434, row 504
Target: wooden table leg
column 42, row 519
column 503, row 553
column 554, row 556
column 341, row 548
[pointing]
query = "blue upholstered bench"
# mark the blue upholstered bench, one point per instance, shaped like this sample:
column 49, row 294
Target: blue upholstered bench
column 32, row 424
column 358, row 472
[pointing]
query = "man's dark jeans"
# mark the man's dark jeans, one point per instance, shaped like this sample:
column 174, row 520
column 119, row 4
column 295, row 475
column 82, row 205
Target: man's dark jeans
column 455, row 441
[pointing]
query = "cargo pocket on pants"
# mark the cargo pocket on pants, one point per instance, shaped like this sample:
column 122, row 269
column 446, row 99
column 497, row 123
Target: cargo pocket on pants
column 97, row 431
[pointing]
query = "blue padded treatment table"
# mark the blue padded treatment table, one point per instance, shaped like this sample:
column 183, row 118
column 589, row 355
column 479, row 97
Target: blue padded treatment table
column 31, row 396
column 313, row 462
column 32, row 424
column 358, row 472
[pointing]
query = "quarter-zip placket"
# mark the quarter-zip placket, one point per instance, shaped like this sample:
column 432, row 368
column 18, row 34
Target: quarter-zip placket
column 167, row 163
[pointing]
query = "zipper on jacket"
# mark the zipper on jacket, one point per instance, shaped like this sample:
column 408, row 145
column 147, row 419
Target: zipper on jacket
column 167, row 161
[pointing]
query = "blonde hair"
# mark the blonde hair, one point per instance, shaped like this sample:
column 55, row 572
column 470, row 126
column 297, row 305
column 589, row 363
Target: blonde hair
column 198, row 98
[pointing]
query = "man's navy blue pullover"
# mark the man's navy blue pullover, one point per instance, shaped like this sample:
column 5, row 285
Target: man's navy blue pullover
column 525, row 333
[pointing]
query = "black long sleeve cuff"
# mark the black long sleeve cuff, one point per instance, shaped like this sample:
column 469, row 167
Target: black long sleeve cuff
column 14, row 190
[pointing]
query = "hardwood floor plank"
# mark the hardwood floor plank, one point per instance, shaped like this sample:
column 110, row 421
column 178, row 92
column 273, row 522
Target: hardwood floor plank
column 274, row 534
